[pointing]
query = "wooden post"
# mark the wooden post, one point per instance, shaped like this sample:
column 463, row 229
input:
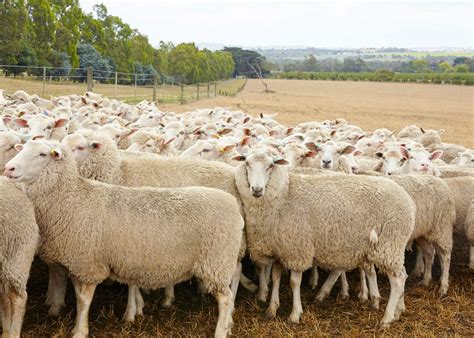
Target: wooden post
column 44, row 82
column 197, row 96
column 182, row 92
column 135, row 92
column 208, row 90
column 215, row 89
column 155, row 83
column 115, row 87
column 90, row 84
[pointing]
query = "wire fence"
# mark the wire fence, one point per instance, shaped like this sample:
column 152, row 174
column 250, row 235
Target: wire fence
column 129, row 87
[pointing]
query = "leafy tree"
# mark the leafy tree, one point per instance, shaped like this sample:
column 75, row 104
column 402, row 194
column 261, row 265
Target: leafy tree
column 244, row 60
column 310, row 64
column 462, row 68
column 182, row 62
column 42, row 28
column 89, row 56
column 445, row 67
column 60, row 60
column 420, row 65
column 14, row 25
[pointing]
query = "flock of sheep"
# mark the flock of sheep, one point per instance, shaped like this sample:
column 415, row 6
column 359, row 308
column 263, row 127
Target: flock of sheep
column 100, row 189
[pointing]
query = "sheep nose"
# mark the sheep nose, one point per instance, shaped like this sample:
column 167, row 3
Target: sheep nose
column 8, row 170
column 327, row 161
column 354, row 169
column 257, row 192
column 389, row 173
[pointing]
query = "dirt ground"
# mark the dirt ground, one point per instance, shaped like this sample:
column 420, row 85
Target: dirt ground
column 370, row 105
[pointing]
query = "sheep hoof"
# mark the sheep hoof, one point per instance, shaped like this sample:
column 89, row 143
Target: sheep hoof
column 167, row 304
column 128, row 318
column 376, row 303
column 262, row 297
column 424, row 282
column 270, row 313
column 252, row 288
column 320, row 297
column 443, row 290
column 384, row 325
column 345, row 296
column 363, row 297
column 294, row 318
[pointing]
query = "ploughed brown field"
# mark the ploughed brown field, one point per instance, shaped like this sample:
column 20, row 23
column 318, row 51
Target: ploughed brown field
column 369, row 105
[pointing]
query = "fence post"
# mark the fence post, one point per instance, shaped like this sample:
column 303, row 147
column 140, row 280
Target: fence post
column 135, row 93
column 208, row 90
column 215, row 89
column 44, row 81
column 182, row 92
column 197, row 96
column 90, row 84
column 115, row 87
column 155, row 82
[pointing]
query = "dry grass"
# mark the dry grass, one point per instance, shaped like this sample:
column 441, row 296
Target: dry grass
column 370, row 105
column 193, row 315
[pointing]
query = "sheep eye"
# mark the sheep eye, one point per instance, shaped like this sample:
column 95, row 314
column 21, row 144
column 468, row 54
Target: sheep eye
column 80, row 148
column 205, row 150
column 369, row 144
column 150, row 117
column 43, row 155
column 48, row 127
column 383, row 157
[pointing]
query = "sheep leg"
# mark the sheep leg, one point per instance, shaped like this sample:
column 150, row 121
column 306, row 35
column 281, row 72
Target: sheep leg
column 168, row 300
column 364, row 291
column 344, row 286
column 397, row 287
column 248, row 284
column 419, row 264
column 313, row 280
column 7, row 312
column 428, row 254
column 295, row 282
column 328, row 285
column 445, row 262
column 275, row 297
column 56, row 288
column 373, row 286
column 84, row 295
column 202, row 288
column 226, row 305
column 131, row 310
column 18, row 307
column 263, row 284
column 234, row 286
column 140, row 303
column 471, row 257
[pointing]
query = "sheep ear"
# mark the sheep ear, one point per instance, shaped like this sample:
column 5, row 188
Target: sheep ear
column 246, row 131
column 436, row 155
column 333, row 132
column 422, row 130
column 281, row 161
column 83, row 100
column 441, row 131
column 360, row 137
column 273, row 133
column 358, row 153
column 228, row 148
column 239, row 158
column 312, row 146
column 246, row 120
column 347, row 150
column 404, row 152
column 289, row 130
column 261, row 115
column 378, row 167
column 311, row 154
column 60, row 123
column 21, row 122
column 169, row 141
column 19, row 147
column 96, row 145
column 57, row 154
column 245, row 141
column 225, row 131
column 7, row 119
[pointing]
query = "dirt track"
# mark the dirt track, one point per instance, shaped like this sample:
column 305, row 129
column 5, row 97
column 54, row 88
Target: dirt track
column 370, row 105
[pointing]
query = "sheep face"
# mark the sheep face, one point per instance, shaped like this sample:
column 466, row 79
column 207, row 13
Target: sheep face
column 31, row 160
column 8, row 140
column 329, row 153
column 296, row 153
column 259, row 166
column 420, row 161
column 41, row 126
column 80, row 146
column 393, row 160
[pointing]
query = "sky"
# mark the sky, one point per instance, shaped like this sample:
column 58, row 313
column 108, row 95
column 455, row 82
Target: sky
column 324, row 24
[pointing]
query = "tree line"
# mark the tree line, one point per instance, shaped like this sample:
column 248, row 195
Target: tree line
column 358, row 65
column 58, row 33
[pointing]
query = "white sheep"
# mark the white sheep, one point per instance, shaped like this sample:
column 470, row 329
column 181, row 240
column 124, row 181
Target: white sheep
column 19, row 238
column 296, row 221
column 469, row 228
column 141, row 236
